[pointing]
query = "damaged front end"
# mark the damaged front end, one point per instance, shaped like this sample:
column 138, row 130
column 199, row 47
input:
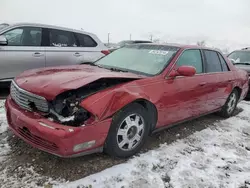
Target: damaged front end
column 65, row 108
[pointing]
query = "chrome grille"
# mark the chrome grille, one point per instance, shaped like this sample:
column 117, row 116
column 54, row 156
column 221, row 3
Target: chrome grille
column 24, row 99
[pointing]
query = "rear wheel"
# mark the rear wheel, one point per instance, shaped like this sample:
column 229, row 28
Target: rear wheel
column 128, row 131
column 230, row 105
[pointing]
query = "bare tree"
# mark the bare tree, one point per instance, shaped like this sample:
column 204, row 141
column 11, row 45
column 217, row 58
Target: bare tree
column 156, row 41
column 225, row 50
column 201, row 43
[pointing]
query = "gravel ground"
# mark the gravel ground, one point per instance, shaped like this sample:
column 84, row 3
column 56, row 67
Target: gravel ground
column 23, row 158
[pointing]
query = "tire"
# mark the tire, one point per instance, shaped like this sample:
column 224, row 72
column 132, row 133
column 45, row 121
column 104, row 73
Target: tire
column 128, row 132
column 230, row 105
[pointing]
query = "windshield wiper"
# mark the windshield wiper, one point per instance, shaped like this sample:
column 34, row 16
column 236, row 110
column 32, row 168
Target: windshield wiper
column 89, row 63
column 117, row 70
column 112, row 68
column 242, row 63
column 93, row 64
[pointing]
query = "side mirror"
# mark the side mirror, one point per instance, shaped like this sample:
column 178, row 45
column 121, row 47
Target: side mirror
column 183, row 70
column 3, row 40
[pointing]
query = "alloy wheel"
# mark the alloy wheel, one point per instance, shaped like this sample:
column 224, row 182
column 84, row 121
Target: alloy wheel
column 130, row 132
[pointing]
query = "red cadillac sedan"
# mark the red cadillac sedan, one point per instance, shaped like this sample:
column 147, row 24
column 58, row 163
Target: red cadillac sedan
column 112, row 105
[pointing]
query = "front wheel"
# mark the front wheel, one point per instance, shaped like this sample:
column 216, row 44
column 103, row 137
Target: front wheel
column 128, row 131
column 230, row 105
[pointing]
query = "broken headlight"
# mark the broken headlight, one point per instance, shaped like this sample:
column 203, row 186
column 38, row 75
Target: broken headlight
column 66, row 109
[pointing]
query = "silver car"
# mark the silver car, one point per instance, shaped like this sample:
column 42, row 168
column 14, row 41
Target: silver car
column 26, row 46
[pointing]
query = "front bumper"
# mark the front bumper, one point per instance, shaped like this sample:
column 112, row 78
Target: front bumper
column 55, row 138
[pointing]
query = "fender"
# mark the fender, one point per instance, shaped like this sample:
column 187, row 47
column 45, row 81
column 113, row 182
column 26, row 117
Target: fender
column 105, row 103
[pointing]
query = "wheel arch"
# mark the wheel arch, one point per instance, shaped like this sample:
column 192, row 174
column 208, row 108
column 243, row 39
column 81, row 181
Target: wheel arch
column 150, row 108
column 239, row 90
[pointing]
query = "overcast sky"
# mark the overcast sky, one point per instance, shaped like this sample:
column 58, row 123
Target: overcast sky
column 222, row 23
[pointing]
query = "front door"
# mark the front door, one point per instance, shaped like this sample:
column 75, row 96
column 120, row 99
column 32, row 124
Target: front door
column 23, row 52
column 185, row 97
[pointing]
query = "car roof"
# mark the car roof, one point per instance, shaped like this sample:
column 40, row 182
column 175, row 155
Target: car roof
column 148, row 41
column 47, row 26
column 246, row 49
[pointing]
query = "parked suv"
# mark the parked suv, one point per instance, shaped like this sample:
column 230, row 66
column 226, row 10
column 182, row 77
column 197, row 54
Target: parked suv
column 28, row 46
column 241, row 60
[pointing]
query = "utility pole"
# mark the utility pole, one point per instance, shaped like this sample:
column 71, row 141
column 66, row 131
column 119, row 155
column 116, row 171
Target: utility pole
column 130, row 36
column 108, row 37
column 151, row 37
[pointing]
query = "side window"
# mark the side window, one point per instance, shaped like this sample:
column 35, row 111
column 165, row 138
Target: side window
column 192, row 58
column 85, row 40
column 24, row 36
column 212, row 61
column 60, row 38
column 223, row 63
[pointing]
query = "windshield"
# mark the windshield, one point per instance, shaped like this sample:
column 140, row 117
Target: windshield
column 145, row 59
column 240, row 57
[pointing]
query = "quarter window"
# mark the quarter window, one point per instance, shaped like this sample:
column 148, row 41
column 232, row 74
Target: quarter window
column 85, row 40
column 191, row 58
column 212, row 61
column 24, row 36
column 223, row 63
column 59, row 38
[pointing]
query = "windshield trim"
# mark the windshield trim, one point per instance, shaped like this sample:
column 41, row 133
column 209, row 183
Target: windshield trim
column 139, row 72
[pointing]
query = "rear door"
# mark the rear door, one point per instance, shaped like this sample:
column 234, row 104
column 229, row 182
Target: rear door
column 23, row 52
column 219, row 79
column 61, row 48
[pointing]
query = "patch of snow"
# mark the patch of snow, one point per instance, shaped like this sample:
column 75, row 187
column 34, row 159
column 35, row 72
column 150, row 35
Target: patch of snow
column 4, row 147
column 3, row 122
column 24, row 177
column 217, row 156
column 63, row 119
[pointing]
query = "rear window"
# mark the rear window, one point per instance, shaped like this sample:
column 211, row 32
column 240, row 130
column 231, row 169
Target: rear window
column 146, row 59
column 85, row 40
column 223, row 63
column 212, row 61
column 60, row 38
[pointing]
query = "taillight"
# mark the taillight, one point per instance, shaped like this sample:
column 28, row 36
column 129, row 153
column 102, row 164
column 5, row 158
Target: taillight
column 105, row 52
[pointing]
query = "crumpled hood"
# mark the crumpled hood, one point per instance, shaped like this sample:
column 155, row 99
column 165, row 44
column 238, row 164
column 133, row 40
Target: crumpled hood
column 49, row 82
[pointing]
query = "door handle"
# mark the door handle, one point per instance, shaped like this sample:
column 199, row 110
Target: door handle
column 37, row 54
column 203, row 83
column 77, row 54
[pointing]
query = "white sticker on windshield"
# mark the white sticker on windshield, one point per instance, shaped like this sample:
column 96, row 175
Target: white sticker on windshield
column 158, row 52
